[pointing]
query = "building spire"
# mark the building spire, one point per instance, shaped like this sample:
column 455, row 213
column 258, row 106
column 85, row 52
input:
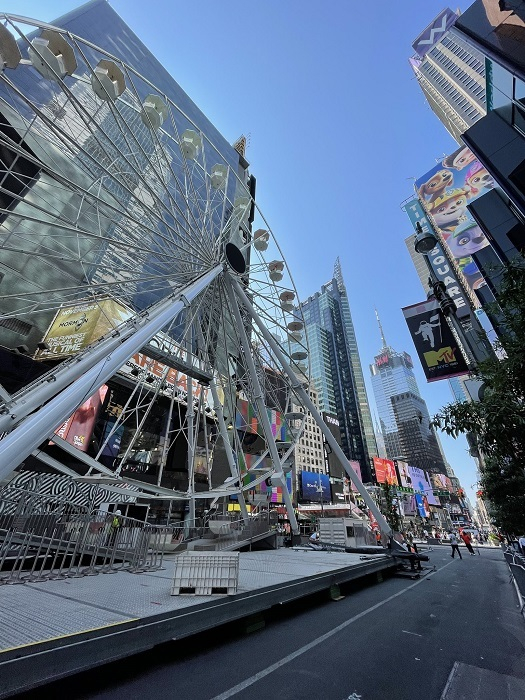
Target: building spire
column 338, row 275
column 381, row 331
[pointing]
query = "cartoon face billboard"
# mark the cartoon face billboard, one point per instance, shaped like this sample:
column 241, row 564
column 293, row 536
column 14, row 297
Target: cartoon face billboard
column 445, row 191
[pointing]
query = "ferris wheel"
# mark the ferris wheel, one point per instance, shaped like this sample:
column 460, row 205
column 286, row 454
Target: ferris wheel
column 130, row 242
column 114, row 202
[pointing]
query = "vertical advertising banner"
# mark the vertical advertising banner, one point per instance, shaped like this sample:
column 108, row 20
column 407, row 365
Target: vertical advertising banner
column 357, row 468
column 422, row 505
column 78, row 428
column 403, row 474
column 445, row 192
column 385, row 471
column 435, row 345
column 438, row 261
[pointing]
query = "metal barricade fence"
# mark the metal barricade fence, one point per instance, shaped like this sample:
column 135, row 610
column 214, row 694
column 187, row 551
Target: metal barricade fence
column 47, row 538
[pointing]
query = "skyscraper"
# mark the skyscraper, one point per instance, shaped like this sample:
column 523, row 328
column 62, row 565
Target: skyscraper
column 335, row 368
column 403, row 413
column 451, row 72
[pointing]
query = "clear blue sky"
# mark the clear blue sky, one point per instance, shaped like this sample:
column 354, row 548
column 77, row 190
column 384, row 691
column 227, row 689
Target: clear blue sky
column 338, row 128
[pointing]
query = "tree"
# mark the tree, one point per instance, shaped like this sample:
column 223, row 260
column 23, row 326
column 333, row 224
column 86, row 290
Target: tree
column 498, row 419
column 391, row 508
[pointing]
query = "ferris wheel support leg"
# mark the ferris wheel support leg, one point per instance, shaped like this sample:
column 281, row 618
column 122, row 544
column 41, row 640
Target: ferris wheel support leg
column 189, row 430
column 261, row 407
column 223, row 431
column 80, row 382
column 300, row 391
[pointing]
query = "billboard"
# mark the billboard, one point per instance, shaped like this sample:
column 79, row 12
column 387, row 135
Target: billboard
column 407, row 502
column 315, row 487
column 357, row 468
column 430, row 36
column 445, row 191
column 385, row 471
column 438, row 260
column 420, row 482
column 78, row 428
column 248, row 421
column 403, row 474
column 422, row 505
column 75, row 327
column 435, row 344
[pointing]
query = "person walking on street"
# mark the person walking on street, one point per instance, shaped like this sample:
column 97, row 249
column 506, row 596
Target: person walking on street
column 521, row 544
column 455, row 546
column 468, row 543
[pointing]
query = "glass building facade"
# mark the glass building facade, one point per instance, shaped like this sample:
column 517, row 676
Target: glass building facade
column 104, row 149
column 335, row 369
column 403, row 414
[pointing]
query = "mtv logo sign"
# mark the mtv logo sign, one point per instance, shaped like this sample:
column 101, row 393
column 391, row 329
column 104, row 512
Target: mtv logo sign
column 437, row 357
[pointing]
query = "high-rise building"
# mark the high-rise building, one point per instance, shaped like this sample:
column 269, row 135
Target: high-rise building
column 451, row 72
column 100, row 150
column 403, row 413
column 335, row 369
column 471, row 68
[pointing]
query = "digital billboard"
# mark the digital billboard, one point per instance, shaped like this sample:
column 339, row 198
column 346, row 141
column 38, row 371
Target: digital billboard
column 435, row 344
column 315, row 487
column 403, row 474
column 385, row 471
column 75, row 327
column 445, row 191
column 78, row 428
column 357, row 468
column 420, row 482
column 422, row 505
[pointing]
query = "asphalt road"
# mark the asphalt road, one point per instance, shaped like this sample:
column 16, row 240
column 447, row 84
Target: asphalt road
column 397, row 640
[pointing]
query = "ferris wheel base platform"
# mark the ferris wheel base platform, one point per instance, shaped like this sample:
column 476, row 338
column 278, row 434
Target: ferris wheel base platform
column 57, row 628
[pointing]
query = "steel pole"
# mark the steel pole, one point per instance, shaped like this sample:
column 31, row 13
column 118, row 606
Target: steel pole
column 38, row 426
column 105, row 355
column 300, row 391
column 231, row 284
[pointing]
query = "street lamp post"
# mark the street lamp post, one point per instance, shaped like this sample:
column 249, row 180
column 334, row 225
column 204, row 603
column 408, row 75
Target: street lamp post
column 424, row 243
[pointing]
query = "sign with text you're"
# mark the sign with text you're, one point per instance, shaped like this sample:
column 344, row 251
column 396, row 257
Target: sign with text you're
column 435, row 344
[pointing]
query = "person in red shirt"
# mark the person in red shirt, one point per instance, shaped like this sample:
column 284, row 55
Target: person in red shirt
column 466, row 539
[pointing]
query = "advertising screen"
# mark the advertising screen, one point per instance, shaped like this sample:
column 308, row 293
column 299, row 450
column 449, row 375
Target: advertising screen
column 248, row 421
column 385, row 471
column 357, row 468
column 78, row 428
column 315, row 487
column 403, row 474
column 75, row 327
column 420, row 482
column 435, row 345
column 445, row 192
column 422, row 505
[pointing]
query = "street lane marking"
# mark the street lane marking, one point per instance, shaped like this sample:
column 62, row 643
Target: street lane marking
column 414, row 633
column 311, row 645
column 449, row 680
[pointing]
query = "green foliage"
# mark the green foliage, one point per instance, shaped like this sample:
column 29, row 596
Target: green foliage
column 391, row 509
column 498, row 420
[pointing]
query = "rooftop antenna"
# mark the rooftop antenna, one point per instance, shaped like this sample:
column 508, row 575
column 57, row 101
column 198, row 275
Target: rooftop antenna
column 381, row 331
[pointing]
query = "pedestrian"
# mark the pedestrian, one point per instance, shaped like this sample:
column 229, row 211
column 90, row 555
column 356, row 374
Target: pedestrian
column 455, row 546
column 521, row 544
column 425, row 534
column 468, row 543
column 115, row 523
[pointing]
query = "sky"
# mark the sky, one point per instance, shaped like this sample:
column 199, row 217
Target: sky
column 338, row 130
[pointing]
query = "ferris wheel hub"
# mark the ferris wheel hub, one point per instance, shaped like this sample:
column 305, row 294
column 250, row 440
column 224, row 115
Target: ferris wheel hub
column 235, row 258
